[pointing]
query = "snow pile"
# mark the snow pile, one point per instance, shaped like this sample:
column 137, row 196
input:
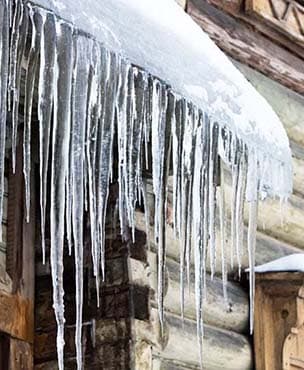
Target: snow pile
column 294, row 262
column 90, row 96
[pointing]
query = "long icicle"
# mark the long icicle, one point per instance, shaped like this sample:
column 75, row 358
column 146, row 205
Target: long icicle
column 59, row 164
column 252, row 198
column 4, row 48
column 83, row 51
column 31, row 69
column 45, row 108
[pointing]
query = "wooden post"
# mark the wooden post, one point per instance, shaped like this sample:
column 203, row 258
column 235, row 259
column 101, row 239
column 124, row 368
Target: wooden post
column 293, row 350
column 17, row 306
column 277, row 309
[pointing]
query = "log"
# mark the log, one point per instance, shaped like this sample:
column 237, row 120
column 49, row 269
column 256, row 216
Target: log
column 283, row 222
column 231, row 315
column 221, row 349
column 268, row 248
column 288, row 105
column 253, row 49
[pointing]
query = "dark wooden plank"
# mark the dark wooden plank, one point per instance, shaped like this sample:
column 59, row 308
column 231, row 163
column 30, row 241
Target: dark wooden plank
column 15, row 222
column 242, row 9
column 16, row 316
column 21, row 355
column 248, row 46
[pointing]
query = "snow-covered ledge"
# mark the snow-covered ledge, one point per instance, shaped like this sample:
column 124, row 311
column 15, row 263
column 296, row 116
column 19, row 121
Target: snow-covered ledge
column 293, row 262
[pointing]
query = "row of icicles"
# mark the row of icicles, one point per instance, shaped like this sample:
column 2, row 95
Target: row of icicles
column 87, row 96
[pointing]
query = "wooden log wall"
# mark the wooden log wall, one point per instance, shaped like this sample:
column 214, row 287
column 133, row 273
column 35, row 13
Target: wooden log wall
column 5, row 281
column 276, row 69
column 125, row 333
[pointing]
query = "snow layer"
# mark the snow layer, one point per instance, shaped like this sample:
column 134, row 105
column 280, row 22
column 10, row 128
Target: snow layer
column 159, row 37
column 294, row 262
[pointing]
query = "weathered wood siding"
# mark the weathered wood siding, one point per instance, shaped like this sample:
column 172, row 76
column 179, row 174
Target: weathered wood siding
column 127, row 333
column 278, row 75
column 5, row 281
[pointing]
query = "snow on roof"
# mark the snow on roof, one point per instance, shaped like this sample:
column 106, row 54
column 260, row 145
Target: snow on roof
column 159, row 37
column 293, row 262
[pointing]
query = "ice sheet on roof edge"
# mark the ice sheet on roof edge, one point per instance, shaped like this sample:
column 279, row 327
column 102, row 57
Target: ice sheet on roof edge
column 291, row 263
column 159, row 37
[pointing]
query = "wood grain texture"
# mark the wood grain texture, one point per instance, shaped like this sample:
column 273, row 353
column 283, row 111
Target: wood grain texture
column 231, row 315
column 222, row 349
column 241, row 9
column 16, row 316
column 247, row 46
column 21, row 355
column 275, row 315
column 287, row 16
column 293, row 349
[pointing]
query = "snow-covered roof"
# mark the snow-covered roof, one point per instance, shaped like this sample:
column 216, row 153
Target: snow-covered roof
column 293, row 262
column 159, row 37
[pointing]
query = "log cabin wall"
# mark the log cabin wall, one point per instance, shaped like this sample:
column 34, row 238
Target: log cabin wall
column 5, row 281
column 16, row 275
column 268, row 47
column 125, row 333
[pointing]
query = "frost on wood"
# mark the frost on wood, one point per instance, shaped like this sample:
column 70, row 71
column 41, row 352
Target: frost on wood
column 94, row 105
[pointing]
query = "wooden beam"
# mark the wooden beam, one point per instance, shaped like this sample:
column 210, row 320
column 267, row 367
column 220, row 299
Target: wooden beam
column 230, row 315
column 247, row 46
column 16, row 316
column 21, row 355
column 242, row 9
column 268, row 248
column 221, row 349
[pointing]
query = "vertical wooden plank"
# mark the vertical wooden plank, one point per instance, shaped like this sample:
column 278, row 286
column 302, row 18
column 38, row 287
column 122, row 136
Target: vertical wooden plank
column 21, row 355
column 4, row 351
column 21, row 261
column 15, row 222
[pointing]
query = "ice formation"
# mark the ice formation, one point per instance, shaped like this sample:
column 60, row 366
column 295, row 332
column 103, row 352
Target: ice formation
column 293, row 262
column 190, row 119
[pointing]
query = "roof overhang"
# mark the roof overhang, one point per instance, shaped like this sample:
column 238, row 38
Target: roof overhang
column 161, row 38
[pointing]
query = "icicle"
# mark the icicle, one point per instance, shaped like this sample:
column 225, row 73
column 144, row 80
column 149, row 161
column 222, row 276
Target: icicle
column 31, row 68
column 252, row 227
column 17, row 49
column 239, row 206
column 141, row 85
column 181, row 116
column 78, row 134
column 205, row 197
column 223, row 216
column 176, row 164
column 162, row 112
column 252, row 198
column 213, row 158
column 197, row 200
column 188, row 189
column 105, row 146
column 130, row 162
column 121, row 108
column 45, row 107
column 235, row 158
column 59, row 164
column 94, row 111
column 4, row 49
